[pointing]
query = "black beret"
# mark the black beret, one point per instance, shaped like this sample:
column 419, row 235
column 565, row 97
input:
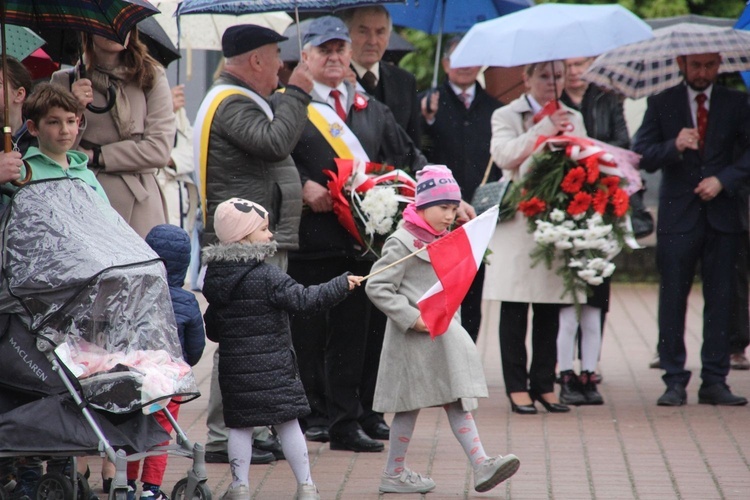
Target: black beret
column 246, row 37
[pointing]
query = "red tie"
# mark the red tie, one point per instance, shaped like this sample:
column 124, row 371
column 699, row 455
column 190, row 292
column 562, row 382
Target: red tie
column 339, row 108
column 701, row 118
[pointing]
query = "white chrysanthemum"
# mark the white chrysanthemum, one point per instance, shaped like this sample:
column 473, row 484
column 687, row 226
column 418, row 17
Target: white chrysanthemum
column 608, row 270
column 379, row 208
column 557, row 215
column 563, row 245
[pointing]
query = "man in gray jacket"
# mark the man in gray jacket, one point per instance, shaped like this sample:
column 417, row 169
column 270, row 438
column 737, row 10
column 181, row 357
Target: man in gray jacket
column 244, row 133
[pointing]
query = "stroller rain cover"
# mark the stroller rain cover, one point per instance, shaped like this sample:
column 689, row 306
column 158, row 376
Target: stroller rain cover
column 78, row 276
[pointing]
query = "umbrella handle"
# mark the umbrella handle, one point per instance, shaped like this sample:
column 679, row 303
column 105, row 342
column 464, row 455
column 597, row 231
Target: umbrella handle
column 8, row 147
column 111, row 98
column 111, row 94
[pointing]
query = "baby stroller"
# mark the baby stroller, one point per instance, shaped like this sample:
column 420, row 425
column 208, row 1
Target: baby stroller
column 88, row 342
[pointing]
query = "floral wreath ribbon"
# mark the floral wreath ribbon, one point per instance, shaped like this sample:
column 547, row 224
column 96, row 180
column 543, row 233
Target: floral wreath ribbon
column 356, row 175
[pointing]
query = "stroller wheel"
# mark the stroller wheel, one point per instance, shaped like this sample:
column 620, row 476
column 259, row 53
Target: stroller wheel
column 202, row 492
column 118, row 494
column 54, row 486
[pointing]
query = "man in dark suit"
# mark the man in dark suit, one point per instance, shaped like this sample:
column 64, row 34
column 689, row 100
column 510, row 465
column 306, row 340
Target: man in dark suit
column 698, row 133
column 339, row 349
column 370, row 29
column 456, row 132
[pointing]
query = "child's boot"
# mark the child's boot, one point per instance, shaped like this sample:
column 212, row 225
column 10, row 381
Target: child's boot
column 570, row 393
column 406, row 482
column 588, row 389
column 307, row 492
column 494, row 471
column 239, row 492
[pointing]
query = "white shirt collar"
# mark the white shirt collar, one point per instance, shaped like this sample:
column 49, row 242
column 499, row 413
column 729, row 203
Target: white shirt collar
column 361, row 70
column 324, row 91
column 535, row 106
column 470, row 92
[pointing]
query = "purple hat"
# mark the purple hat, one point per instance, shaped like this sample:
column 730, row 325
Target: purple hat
column 436, row 185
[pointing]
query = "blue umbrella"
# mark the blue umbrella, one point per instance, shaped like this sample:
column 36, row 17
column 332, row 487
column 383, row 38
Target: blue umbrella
column 743, row 23
column 450, row 16
column 238, row 7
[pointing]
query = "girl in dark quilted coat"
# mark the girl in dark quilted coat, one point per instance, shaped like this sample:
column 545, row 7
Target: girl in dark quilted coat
column 249, row 303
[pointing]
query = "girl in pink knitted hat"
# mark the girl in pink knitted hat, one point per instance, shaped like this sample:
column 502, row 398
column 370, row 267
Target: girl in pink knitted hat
column 249, row 302
column 415, row 371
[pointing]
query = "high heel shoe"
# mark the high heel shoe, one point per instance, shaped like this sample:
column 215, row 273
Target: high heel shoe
column 522, row 409
column 550, row 407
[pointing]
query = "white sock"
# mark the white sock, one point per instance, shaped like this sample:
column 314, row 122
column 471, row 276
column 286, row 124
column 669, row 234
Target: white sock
column 402, row 427
column 465, row 430
column 240, row 452
column 591, row 337
column 295, row 450
column 566, row 338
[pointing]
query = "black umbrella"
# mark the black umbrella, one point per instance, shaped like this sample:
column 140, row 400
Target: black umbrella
column 64, row 46
column 156, row 39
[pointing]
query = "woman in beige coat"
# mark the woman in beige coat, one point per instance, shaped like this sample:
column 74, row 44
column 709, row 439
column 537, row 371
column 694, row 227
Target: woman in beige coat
column 129, row 143
column 510, row 277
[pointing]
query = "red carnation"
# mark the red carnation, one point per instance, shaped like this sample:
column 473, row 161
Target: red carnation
column 581, row 202
column 573, row 181
column 620, row 202
column 592, row 173
column 532, row 206
column 612, row 182
column 601, row 197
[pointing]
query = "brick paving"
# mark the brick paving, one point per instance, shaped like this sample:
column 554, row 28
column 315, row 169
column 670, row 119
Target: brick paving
column 627, row 448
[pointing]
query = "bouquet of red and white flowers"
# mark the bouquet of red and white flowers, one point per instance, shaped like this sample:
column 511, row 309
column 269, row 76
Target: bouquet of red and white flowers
column 368, row 199
column 577, row 210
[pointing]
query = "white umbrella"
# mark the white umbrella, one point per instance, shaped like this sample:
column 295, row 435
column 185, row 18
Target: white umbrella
column 645, row 68
column 204, row 31
column 549, row 32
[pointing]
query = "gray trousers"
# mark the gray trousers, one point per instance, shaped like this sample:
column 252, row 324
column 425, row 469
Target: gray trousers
column 218, row 434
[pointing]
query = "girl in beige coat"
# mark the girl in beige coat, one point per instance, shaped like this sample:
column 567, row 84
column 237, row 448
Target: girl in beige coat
column 129, row 143
column 510, row 277
column 416, row 372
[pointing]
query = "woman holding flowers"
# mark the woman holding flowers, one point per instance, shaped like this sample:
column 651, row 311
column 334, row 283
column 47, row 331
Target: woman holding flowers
column 511, row 278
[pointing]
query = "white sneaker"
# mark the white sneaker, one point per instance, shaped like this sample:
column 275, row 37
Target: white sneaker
column 494, row 471
column 407, row 482
column 307, row 492
column 240, row 492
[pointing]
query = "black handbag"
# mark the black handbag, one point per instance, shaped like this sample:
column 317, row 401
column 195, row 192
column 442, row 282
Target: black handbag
column 640, row 217
column 492, row 194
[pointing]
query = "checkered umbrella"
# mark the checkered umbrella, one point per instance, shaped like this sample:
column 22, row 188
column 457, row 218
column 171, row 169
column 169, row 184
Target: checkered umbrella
column 646, row 68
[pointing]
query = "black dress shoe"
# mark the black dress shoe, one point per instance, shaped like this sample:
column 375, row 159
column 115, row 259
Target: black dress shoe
column 317, row 433
column 258, row 457
column 379, row 431
column 719, row 394
column 522, row 409
column 272, row 445
column 355, row 441
column 675, row 395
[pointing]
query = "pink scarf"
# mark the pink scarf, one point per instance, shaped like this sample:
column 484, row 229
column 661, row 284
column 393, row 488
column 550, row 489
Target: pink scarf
column 416, row 225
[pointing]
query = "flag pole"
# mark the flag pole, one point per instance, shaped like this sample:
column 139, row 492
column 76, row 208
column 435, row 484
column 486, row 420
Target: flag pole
column 399, row 261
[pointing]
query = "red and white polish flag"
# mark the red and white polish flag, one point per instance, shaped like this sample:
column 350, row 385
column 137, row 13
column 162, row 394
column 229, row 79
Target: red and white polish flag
column 456, row 257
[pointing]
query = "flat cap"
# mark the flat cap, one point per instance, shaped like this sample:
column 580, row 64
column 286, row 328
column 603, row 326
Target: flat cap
column 324, row 29
column 246, row 37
